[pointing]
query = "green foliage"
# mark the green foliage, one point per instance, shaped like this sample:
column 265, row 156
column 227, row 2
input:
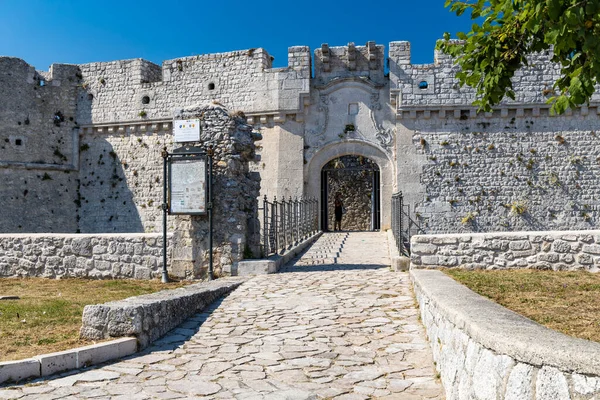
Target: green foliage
column 507, row 31
column 518, row 208
column 469, row 218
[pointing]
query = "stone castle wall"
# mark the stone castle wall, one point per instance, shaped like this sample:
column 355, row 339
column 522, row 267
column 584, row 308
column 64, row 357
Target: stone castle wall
column 136, row 90
column 90, row 136
column 532, row 84
column 522, row 172
column 38, row 147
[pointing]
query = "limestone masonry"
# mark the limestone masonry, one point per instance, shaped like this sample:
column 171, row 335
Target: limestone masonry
column 80, row 144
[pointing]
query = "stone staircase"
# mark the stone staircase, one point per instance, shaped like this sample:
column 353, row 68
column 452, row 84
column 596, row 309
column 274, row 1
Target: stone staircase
column 345, row 249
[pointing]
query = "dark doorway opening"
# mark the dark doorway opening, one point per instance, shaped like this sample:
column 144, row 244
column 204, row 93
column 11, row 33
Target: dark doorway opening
column 357, row 180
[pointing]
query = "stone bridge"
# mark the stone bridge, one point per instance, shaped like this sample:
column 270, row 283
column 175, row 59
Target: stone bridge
column 335, row 322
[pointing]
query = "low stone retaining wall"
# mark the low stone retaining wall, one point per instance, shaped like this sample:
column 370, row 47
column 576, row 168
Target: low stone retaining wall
column 133, row 255
column 150, row 316
column 557, row 250
column 485, row 351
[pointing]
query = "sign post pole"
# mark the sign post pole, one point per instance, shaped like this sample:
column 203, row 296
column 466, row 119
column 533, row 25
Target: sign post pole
column 165, row 275
column 210, row 154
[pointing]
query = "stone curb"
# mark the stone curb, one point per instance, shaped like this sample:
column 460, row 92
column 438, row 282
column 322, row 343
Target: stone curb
column 48, row 364
column 398, row 262
column 501, row 330
column 272, row 264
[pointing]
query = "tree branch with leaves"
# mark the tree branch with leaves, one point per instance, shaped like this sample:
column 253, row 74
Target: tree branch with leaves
column 506, row 32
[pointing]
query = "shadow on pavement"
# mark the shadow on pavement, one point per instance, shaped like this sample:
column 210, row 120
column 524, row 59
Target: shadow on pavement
column 331, row 267
column 183, row 333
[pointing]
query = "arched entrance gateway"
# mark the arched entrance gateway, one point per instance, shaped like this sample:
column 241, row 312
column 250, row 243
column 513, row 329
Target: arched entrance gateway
column 363, row 173
column 356, row 180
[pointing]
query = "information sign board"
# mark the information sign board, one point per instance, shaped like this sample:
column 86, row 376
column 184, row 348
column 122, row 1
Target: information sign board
column 186, row 130
column 187, row 186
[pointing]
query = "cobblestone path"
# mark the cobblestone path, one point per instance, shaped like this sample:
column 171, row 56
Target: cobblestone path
column 335, row 323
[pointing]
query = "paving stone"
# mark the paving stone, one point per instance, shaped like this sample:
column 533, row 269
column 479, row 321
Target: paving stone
column 194, row 387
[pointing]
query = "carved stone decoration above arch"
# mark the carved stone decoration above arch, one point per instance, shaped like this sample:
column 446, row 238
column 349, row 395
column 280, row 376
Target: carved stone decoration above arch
column 349, row 109
column 385, row 136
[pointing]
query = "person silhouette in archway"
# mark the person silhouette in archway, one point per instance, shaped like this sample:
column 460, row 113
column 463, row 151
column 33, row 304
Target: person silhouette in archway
column 338, row 211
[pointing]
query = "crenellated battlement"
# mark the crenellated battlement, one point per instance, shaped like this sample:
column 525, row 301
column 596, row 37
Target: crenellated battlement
column 349, row 61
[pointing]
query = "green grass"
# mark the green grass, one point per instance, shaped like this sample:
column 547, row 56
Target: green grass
column 560, row 300
column 47, row 317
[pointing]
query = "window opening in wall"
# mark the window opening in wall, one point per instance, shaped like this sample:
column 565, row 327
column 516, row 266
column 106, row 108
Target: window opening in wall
column 352, row 108
column 90, row 97
column 423, row 85
column 146, row 100
column 19, row 142
column 42, row 82
column 211, row 86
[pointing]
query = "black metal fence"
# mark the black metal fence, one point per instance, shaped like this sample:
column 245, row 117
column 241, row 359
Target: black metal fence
column 403, row 226
column 286, row 222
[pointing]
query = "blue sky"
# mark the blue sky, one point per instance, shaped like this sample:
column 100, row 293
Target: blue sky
column 43, row 32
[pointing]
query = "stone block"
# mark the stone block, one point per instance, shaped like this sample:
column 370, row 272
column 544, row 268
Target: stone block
column 99, row 353
column 519, row 385
column 519, row 245
column 560, row 246
column 419, row 248
column 400, row 263
column 421, row 239
column 256, row 267
column 524, row 253
column 570, row 238
column 15, row 371
column 142, row 273
column 584, row 259
column 585, row 385
column 567, row 258
column 429, row 260
column 551, row 384
column 546, row 246
column 549, row 257
column 586, row 238
column 444, row 240
column 447, row 261
column 57, row 362
column 591, row 248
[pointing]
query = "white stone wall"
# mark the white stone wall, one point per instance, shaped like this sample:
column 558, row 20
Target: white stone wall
column 520, row 172
column 451, row 163
column 130, row 90
column 96, row 256
column 557, row 250
column 38, row 147
column 533, row 369
column 121, row 181
column 532, row 84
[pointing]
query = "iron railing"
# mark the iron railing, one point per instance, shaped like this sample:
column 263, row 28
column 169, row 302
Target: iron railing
column 286, row 222
column 403, row 226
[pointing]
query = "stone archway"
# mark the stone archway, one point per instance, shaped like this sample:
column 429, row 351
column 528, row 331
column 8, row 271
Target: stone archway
column 355, row 179
column 358, row 148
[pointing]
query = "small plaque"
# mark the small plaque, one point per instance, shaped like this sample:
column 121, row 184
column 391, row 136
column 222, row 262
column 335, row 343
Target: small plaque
column 186, row 130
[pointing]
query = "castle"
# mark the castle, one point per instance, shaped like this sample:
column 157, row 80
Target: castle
column 80, row 144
